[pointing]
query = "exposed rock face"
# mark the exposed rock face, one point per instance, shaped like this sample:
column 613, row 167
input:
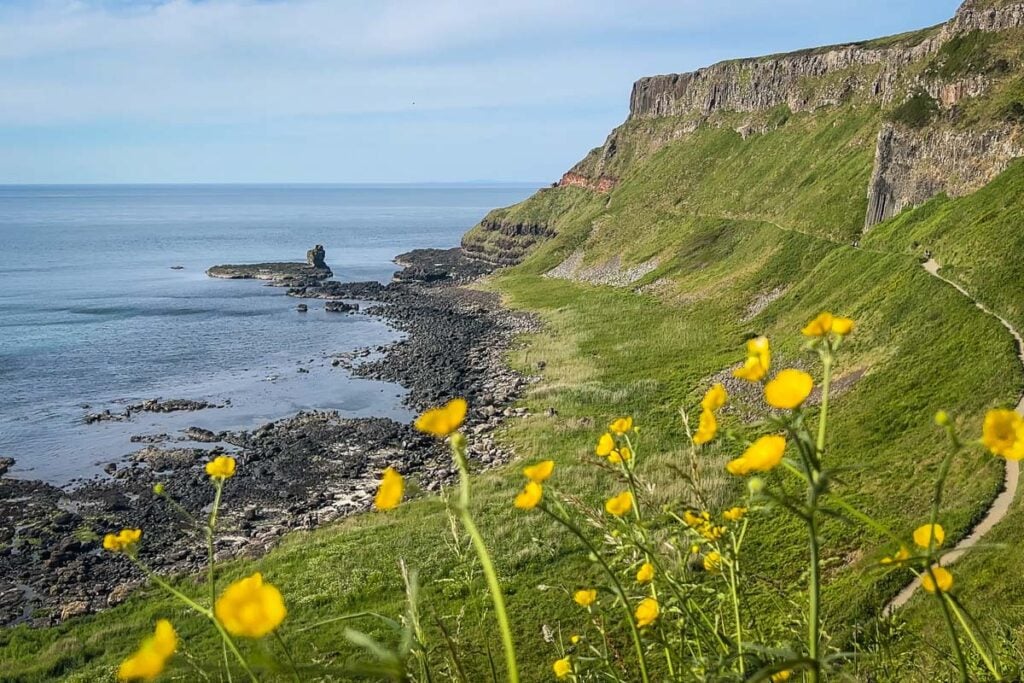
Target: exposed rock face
column 315, row 257
column 600, row 184
column 607, row 273
column 499, row 242
column 912, row 166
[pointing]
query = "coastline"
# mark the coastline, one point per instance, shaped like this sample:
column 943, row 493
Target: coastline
column 296, row 473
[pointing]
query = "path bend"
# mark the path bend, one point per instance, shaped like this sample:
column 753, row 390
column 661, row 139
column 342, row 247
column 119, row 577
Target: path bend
column 1011, row 476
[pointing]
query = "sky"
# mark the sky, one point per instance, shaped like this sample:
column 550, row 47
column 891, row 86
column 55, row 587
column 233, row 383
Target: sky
column 322, row 91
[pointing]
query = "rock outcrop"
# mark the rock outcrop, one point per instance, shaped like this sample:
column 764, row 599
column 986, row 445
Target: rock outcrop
column 279, row 274
column 499, row 241
column 912, row 166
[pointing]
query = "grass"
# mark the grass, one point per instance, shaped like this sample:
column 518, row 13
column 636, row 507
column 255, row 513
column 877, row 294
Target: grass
column 728, row 219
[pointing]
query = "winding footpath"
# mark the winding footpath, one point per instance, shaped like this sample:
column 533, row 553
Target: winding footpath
column 1001, row 505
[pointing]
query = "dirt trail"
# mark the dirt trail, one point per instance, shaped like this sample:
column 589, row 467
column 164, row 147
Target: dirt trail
column 1001, row 505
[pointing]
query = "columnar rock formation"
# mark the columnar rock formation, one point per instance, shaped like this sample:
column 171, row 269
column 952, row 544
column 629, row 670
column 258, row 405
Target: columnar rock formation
column 912, row 162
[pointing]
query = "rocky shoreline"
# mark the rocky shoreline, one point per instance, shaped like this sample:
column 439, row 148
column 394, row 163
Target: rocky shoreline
column 299, row 472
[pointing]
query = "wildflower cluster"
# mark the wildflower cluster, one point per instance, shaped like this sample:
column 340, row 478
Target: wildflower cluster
column 673, row 601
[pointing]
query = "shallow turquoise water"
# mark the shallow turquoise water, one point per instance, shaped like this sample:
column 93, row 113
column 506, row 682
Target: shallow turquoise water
column 91, row 312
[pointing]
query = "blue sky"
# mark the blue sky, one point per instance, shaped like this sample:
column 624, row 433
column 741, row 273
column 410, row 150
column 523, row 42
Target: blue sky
column 364, row 91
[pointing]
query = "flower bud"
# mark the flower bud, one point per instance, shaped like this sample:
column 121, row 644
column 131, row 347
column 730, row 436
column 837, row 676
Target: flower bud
column 755, row 485
column 942, row 418
column 158, row 488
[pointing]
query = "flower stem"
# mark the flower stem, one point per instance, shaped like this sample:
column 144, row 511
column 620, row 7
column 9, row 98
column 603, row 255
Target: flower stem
column 493, row 585
column 210, row 525
column 641, row 658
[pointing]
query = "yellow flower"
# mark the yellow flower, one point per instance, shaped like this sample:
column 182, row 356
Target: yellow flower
column 694, row 520
column 715, row 398
column 711, row 532
column 605, row 445
column 788, row 389
column 148, row 661
column 562, row 667
column 943, row 580
column 734, row 514
column 924, row 533
column 646, row 612
column 819, row 327
column 222, row 467
column 621, row 426
column 1003, row 434
column 620, row 504
column 646, row 573
column 713, row 562
column 540, row 472
column 530, row 496
column 585, row 597
column 250, row 608
column 122, row 541
column 759, row 359
column 842, row 326
column 389, row 493
column 761, row 456
column 901, row 556
column 707, row 429
column 620, row 455
column 441, row 422
column 781, row 676
column 575, row 639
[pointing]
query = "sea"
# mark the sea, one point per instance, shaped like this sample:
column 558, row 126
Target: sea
column 104, row 302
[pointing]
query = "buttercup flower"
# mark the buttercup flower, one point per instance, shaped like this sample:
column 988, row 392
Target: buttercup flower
column 819, row 327
column 788, row 389
column 943, row 580
column 842, row 326
column 1003, row 434
column 901, row 556
column 575, row 639
column 761, row 456
column 530, row 496
column 781, row 676
column 250, row 608
column 924, row 533
column 715, row 397
column 605, row 445
column 621, row 426
column 646, row 573
column 713, row 562
column 222, row 467
column 620, row 455
column 707, row 428
column 620, row 504
column 562, row 667
column 734, row 514
column 540, row 472
column 390, row 491
column 585, row 597
column 694, row 520
column 646, row 612
column 759, row 359
column 122, row 541
column 442, row 422
column 149, row 660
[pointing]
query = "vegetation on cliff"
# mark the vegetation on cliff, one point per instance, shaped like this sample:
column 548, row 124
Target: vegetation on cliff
column 753, row 221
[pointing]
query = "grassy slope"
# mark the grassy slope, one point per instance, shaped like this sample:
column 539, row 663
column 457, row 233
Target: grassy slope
column 696, row 204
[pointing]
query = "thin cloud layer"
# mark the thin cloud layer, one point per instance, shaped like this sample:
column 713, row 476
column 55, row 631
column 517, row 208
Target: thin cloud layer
column 184, row 72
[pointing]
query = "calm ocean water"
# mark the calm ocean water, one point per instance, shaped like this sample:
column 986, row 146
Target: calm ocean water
column 92, row 314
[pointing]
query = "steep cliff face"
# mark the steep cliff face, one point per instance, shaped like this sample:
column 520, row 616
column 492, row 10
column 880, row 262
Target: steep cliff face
column 936, row 132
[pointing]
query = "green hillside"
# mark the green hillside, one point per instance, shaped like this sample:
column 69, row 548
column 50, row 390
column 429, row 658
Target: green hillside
column 743, row 233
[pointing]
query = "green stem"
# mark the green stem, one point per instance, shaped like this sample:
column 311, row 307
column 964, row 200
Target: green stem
column 288, row 656
column 961, row 662
column 814, row 587
column 493, row 585
column 210, row 525
column 982, row 652
column 641, row 658
column 826, row 384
